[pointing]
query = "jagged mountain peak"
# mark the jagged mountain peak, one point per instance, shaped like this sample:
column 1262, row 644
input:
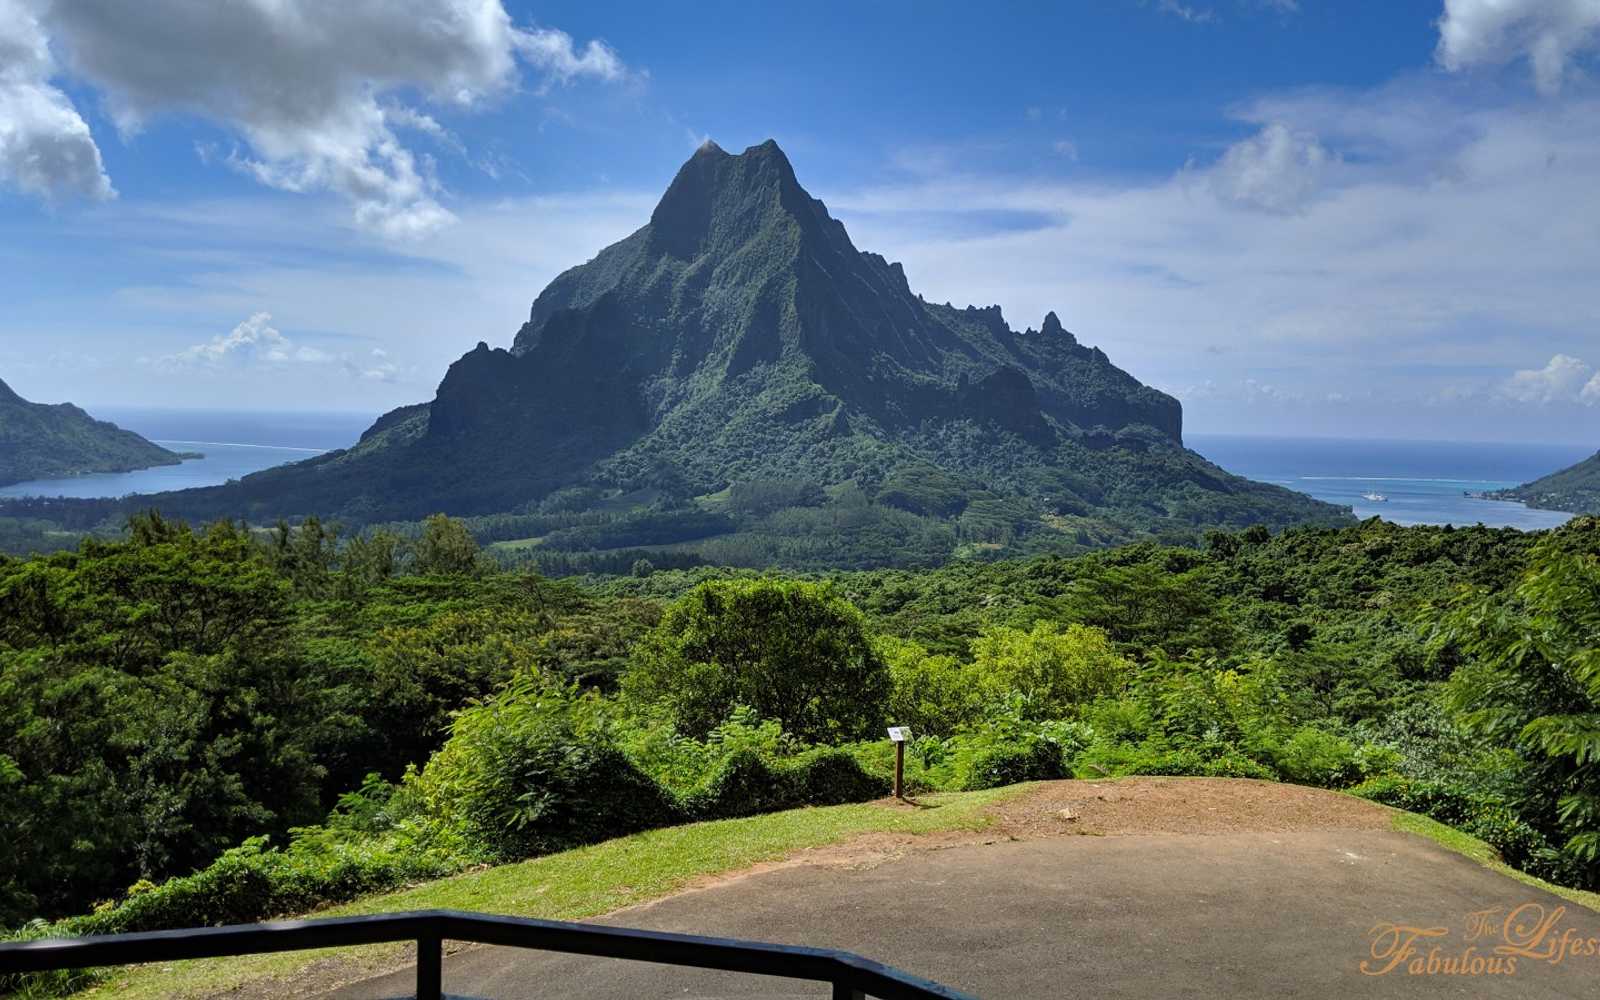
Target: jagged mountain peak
column 741, row 337
column 715, row 189
column 740, row 269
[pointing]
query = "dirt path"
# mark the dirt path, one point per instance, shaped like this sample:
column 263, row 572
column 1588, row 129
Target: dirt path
column 1150, row 887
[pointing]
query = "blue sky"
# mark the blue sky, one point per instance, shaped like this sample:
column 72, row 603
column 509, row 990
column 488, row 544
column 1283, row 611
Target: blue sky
column 1352, row 218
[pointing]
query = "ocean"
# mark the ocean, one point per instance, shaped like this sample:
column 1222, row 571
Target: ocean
column 1423, row 481
column 234, row 444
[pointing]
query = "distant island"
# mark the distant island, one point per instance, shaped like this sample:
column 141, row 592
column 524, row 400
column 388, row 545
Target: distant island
column 43, row 441
column 1575, row 489
column 736, row 383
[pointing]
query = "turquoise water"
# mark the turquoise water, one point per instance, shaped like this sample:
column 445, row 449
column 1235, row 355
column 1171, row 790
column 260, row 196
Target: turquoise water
column 234, row 444
column 1424, row 481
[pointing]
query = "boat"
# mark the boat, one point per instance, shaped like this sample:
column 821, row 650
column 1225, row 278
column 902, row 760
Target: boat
column 1374, row 496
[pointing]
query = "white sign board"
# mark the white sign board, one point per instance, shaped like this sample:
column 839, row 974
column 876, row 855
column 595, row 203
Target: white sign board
column 899, row 734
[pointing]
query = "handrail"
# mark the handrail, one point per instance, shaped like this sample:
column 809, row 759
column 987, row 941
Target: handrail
column 851, row 975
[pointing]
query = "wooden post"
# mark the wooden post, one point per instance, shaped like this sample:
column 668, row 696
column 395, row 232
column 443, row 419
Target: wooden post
column 898, row 735
column 900, row 769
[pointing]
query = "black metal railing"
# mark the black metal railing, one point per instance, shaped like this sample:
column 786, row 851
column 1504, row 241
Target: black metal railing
column 850, row 975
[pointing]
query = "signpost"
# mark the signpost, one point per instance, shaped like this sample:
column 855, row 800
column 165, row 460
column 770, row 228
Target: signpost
column 898, row 735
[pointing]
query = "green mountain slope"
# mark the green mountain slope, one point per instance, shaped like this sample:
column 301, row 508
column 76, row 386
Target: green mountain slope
column 39, row 441
column 1575, row 488
column 740, row 343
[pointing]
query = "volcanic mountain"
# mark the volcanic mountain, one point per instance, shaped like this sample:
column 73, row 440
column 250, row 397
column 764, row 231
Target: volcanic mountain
column 740, row 340
column 41, row 441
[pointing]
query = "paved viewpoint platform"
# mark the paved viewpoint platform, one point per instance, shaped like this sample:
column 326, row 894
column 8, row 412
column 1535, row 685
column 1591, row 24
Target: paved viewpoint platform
column 1273, row 892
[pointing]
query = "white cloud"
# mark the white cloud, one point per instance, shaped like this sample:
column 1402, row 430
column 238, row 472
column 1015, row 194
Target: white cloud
column 317, row 90
column 1549, row 33
column 1194, row 15
column 1565, row 379
column 254, row 340
column 1276, row 170
column 1245, row 391
column 46, row 149
column 1450, row 241
column 376, row 368
column 557, row 55
column 256, row 344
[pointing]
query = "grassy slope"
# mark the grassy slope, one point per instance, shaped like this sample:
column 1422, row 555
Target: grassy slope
column 575, row 884
column 1470, row 846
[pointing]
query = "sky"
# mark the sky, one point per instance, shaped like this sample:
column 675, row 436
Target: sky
column 1301, row 217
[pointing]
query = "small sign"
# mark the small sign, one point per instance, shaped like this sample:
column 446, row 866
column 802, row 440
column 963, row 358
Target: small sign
column 899, row 734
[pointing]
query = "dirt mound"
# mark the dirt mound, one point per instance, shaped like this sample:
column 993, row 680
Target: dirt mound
column 1133, row 806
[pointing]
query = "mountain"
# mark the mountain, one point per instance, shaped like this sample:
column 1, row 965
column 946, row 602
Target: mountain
column 1575, row 488
column 738, row 367
column 39, row 441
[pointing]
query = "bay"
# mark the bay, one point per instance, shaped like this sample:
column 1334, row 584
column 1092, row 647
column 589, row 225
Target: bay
column 1425, row 482
column 234, row 443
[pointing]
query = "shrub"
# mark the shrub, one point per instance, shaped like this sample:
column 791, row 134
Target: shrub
column 830, row 777
column 745, row 784
column 535, row 770
column 795, row 652
column 1312, row 756
column 1152, row 757
column 876, row 758
column 994, row 766
column 1057, row 671
column 1517, row 842
column 253, row 882
column 1120, row 720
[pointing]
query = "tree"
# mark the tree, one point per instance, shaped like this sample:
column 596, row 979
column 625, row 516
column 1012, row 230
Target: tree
column 423, row 673
column 935, row 694
column 796, row 652
column 366, row 561
column 306, row 555
column 153, row 711
column 446, row 548
column 1532, row 681
column 1056, row 671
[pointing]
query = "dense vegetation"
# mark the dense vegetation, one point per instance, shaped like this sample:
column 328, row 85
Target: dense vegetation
column 38, row 441
column 796, row 524
column 1575, row 488
column 204, row 726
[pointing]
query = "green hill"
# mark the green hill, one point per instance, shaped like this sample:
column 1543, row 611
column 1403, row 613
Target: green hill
column 1575, row 489
column 737, row 368
column 39, row 441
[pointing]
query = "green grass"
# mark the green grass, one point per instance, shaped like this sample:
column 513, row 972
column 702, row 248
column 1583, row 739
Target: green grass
column 516, row 544
column 573, row 885
column 1466, row 844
